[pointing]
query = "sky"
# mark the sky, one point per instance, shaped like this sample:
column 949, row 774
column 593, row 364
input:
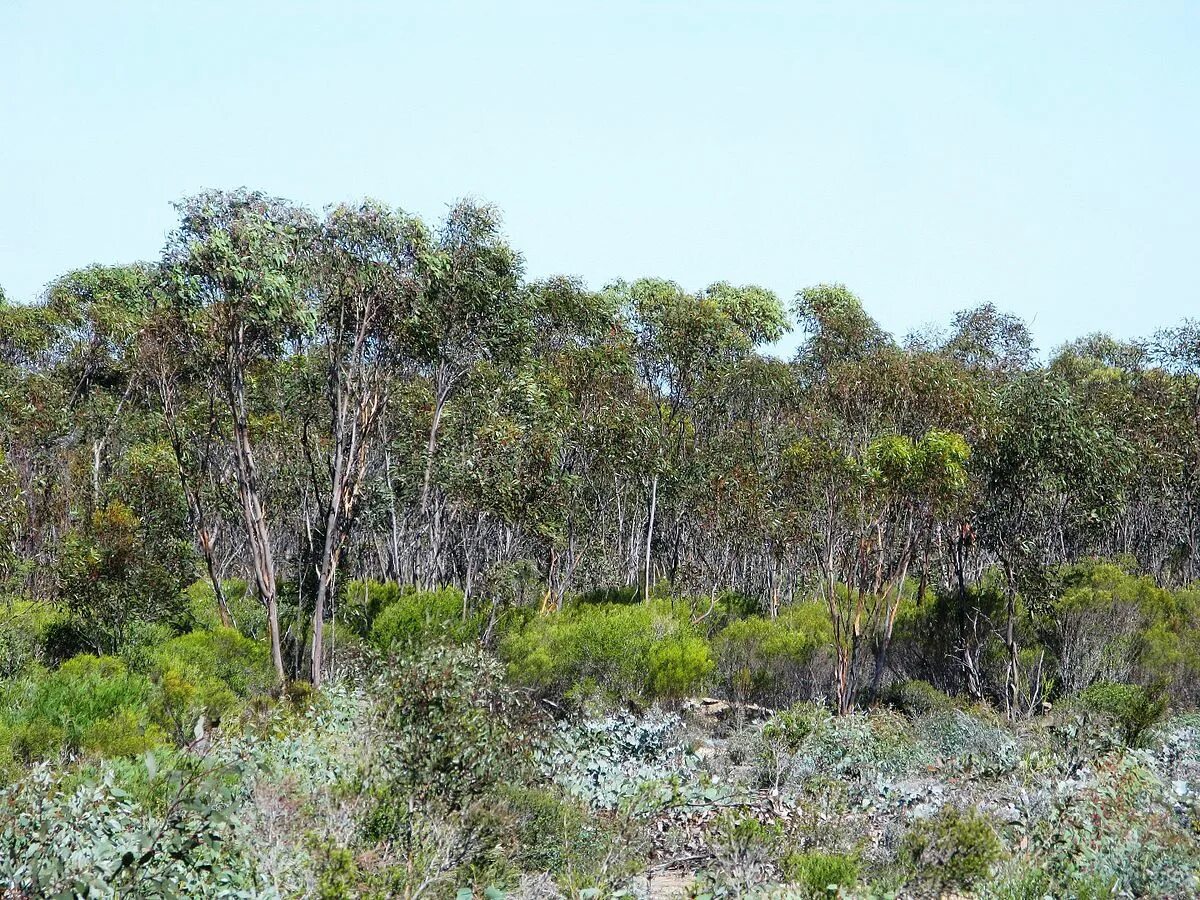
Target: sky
column 1044, row 156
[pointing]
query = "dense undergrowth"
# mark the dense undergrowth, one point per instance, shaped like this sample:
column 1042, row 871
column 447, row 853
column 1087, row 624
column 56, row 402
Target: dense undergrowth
column 467, row 748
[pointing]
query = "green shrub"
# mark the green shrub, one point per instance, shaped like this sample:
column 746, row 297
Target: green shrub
column 122, row 567
column 623, row 596
column 413, row 618
column 248, row 614
column 677, row 667
column 88, row 704
column 1132, row 708
column 543, row 831
column 821, row 874
column 24, row 626
column 453, row 726
column 952, row 849
column 639, row 652
column 772, row 660
column 918, row 698
column 207, row 673
column 809, row 740
column 72, row 834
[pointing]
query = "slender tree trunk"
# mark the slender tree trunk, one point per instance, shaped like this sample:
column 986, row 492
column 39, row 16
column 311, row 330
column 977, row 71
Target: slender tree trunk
column 650, row 534
column 257, row 534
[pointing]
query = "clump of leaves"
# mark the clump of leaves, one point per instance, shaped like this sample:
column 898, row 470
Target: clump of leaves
column 66, row 836
column 951, row 849
column 452, row 728
column 1132, row 708
column 536, row 830
column 918, row 698
column 809, row 740
column 637, row 765
column 821, row 874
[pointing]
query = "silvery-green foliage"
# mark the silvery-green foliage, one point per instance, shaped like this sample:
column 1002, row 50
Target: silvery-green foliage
column 70, row 837
column 968, row 742
column 622, row 761
column 324, row 748
column 807, row 740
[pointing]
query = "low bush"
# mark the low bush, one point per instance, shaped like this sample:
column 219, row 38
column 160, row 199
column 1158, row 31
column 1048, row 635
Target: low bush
column 207, row 673
column 917, row 698
column 409, row 618
column 453, row 728
column 89, row 704
column 1132, row 708
column 543, row 831
column 24, row 626
column 636, row 652
column 248, row 615
column 773, row 661
column 954, row 848
column 808, row 740
column 67, row 835
column 821, row 874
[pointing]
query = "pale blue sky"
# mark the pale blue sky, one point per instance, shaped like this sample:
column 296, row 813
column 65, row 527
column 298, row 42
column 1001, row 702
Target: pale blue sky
column 1045, row 156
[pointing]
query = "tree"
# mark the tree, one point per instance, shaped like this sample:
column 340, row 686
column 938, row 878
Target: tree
column 234, row 272
column 370, row 271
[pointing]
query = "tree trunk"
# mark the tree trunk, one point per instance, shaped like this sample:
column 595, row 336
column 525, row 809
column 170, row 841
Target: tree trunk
column 650, row 534
column 257, row 535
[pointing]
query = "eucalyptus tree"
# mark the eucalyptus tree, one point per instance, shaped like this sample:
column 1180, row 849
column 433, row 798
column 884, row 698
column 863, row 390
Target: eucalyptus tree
column 235, row 271
column 680, row 339
column 1051, row 478
column 185, row 395
column 371, row 270
column 916, row 484
column 473, row 309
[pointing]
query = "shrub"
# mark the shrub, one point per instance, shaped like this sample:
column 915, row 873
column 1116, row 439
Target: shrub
column 821, row 874
column 249, row 617
column 918, row 698
column 636, row 764
column 631, row 652
column 63, row 835
column 1133, row 709
column 954, row 848
column 89, row 704
column 120, row 568
column 207, row 673
column 677, row 667
column 545, row 832
column 1097, row 620
column 453, row 727
column 413, row 618
column 771, row 660
column 24, row 626
column 624, row 596
column 808, row 740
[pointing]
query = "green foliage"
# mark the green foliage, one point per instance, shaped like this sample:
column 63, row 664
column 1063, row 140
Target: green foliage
column 24, row 628
column 410, row 618
column 207, row 673
column 771, row 660
column 90, row 704
column 808, row 740
column 1132, row 708
column 677, row 667
column 62, row 836
column 453, row 727
column 953, row 849
column 248, row 615
column 918, row 698
column 541, row 830
column 634, row 652
column 120, row 570
column 821, row 874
